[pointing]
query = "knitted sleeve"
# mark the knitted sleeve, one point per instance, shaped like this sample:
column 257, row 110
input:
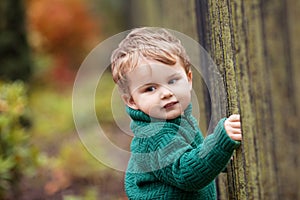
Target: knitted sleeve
column 189, row 168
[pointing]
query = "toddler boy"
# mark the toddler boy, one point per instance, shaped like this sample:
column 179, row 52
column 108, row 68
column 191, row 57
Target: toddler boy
column 170, row 157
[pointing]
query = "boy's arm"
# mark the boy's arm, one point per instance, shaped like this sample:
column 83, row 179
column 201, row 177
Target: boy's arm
column 191, row 168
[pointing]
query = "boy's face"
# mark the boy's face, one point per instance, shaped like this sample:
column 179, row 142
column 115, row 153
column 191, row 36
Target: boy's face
column 159, row 90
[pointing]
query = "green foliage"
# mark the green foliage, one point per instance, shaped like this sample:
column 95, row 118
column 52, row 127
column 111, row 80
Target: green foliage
column 16, row 156
column 52, row 116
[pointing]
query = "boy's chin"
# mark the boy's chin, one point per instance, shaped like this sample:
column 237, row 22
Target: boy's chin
column 170, row 116
column 165, row 114
column 164, row 117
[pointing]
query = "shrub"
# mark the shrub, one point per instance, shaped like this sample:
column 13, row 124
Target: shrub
column 16, row 155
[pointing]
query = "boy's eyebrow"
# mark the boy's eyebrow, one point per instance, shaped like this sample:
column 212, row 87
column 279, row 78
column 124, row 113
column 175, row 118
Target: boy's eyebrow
column 175, row 74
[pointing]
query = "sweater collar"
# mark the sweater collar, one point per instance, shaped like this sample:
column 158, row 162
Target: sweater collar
column 138, row 115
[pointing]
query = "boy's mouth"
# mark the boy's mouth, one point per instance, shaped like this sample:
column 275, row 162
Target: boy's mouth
column 169, row 105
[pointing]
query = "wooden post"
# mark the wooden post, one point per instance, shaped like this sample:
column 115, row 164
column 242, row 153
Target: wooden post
column 254, row 44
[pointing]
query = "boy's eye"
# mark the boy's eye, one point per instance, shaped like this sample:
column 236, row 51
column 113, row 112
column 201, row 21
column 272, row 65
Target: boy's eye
column 172, row 81
column 150, row 89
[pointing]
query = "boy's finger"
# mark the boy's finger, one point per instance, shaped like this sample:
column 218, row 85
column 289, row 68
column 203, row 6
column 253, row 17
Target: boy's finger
column 236, row 130
column 232, row 130
column 236, row 137
column 235, row 124
column 234, row 117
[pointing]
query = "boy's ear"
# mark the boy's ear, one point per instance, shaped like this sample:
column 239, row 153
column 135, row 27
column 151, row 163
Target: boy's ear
column 128, row 100
column 190, row 79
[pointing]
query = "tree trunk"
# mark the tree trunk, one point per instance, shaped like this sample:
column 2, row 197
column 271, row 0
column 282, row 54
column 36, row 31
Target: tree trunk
column 14, row 50
column 255, row 45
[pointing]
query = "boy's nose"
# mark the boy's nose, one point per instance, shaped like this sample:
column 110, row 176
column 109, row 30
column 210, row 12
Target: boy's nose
column 166, row 93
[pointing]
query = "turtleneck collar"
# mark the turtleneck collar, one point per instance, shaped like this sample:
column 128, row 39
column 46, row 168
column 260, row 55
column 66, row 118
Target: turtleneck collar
column 138, row 115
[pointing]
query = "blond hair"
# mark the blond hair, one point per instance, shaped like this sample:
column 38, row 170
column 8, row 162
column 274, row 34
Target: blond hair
column 149, row 43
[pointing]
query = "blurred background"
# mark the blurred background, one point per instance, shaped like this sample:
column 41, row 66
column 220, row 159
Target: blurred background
column 42, row 45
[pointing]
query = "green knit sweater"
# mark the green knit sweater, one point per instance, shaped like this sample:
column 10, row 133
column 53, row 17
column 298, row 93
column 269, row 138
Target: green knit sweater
column 171, row 159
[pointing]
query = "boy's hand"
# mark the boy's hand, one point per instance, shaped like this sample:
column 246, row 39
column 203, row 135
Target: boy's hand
column 232, row 126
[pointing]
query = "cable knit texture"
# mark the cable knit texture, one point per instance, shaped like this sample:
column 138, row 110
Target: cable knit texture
column 171, row 159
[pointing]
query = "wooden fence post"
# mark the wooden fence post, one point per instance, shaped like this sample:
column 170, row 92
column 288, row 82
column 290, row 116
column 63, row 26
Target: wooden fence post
column 254, row 44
